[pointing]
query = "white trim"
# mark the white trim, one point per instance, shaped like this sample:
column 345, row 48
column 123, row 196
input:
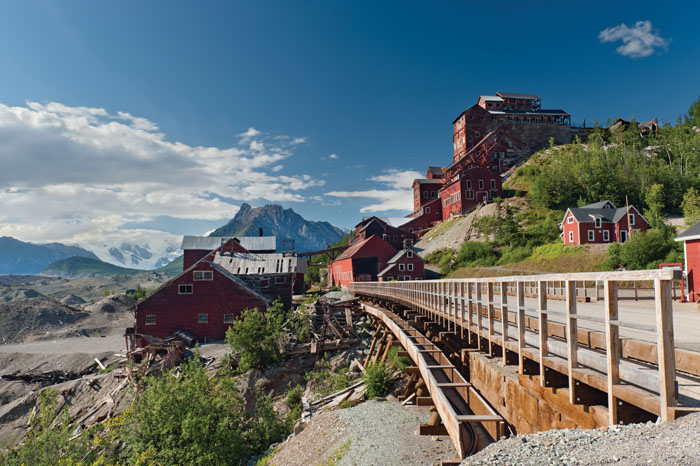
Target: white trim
column 686, row 238
column 409, row 267
column 228, row 321
column 154, row 319
column 591, row 235
column 606, row 236
column 206, row 318
column 571, row 237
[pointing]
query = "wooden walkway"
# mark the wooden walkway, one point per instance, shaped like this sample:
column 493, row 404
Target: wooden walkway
column 551, row 339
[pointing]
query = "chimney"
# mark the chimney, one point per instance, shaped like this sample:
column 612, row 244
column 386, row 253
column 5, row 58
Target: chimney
column 259, row 231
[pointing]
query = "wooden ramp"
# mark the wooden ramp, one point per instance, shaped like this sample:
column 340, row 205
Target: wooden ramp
column 456, row 401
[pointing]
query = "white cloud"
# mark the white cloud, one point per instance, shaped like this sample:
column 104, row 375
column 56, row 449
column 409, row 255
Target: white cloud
column 333, row 156
column 637, row 42
column 78, row 174
column 298, row 141
column 398, row 196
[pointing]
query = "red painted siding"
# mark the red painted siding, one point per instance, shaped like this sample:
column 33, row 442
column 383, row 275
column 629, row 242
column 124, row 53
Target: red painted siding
column 475, row 185
column 174, row 311
column 692, row 266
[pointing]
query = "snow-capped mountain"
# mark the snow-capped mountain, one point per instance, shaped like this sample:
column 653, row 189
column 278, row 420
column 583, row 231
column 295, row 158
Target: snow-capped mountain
column 142, row 249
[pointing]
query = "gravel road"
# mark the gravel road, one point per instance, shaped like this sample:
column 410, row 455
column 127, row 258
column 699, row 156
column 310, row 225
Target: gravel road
column 90, row 345
column 670, row 443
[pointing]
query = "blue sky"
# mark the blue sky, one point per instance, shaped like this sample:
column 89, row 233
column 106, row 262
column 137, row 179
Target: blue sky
column 330, row 107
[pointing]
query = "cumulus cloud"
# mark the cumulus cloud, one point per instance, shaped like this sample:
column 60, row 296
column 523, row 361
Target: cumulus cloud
column 398, row 194
column 638, row 41
column 333, row 156
column 76, row 174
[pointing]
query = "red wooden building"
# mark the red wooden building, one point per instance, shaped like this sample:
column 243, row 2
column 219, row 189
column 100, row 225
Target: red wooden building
column 691, row 252
column 203, row 300
column 390, row 230
column 469, row 188
column 405, row 265
column 601, row 222
column 425, row 190
column 361, row 262
column 196, row 247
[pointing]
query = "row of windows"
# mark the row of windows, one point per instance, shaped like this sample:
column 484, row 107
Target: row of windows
column 203, row 275
column 481, row 184
column 452, row 198
column 409, row 267
column 599, row 221
column 189, row 288
column 201, row 319
column 427, row 194
column 400, row 278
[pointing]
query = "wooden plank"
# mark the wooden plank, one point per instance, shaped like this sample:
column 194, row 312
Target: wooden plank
column 664, row 346
column 452, row 384
column 571, row 337
column 489, row 299
column 424, row 401
column 612, row 347
column 521, row 326
column 469, row 313
column 480, row 418
column 427, row 429
column 542, row 327
column 504, row 321
column 479, row 310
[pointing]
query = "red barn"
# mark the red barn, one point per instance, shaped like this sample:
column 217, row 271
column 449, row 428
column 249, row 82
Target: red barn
column 361, row 262
column 203, row 300
column 691, row 253
column 405, row 265
column 472, row 186
column 601, row 222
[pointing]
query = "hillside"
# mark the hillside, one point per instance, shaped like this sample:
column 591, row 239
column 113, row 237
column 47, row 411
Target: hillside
column 86, row 267
column 19, row 257
column 284, row 223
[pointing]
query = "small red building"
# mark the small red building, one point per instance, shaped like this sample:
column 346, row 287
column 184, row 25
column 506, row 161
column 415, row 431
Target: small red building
column 203, row 300
column 405, row 265
column 425, row 190
column 691, row 253
column 390, row 230
column 361, row 262
column 471, row 187
column 601, row 222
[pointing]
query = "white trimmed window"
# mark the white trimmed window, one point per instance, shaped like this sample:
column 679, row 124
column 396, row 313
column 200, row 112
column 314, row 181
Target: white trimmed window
column 469, row 184
column 631, row 219
column 409, row 254
column 203, row 318
column 150, row 319
column 493, row 184
column 570, row 219
column 228, row 318
column 591, row 235
column 598, row 222
column 203, row 275
column 481, row 184
column 606, row 235
column 401, row 267
column 409, row 267
column 427, row 210
column 184, row 289
column 571, row 237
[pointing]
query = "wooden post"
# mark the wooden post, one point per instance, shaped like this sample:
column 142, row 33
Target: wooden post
column 571, row 336
column 461, row 310
column 612, row 347
column 469, row 312
column 542, row 327
column 521, row 326
column 504, row 319
column 489, row 309
column 478, row 315
column 664, row 345
column 634, row 284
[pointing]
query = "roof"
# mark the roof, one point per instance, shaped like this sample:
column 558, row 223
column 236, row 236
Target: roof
column 585, row 214
column 490, row 98
column 235, row 279
column 427, row 181
column 599, row 205
column 400, row 254
column 437, row 170
column 251, row 243
column 691, row 233
column 356, row 247
column 387, row 269
column 514, row 95
column 253, row 264
column 527, row 112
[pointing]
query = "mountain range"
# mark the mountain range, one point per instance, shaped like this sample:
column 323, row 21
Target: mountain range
column 161, row 253
column 285, row 224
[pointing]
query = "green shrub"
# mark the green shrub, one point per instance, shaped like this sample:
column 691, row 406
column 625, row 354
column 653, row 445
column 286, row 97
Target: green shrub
column 514, row 254
column 256, row 335
column 294, row 404
column 326, row 381
column 396, row 361
column 476, row 253
column 377, row 379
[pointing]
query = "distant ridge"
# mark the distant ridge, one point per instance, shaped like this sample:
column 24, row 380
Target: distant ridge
column 274, row 220
column 18, row 257
column 87, row 267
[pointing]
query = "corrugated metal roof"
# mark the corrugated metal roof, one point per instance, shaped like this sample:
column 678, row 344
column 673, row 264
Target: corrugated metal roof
column 598, row 205
column 691, row 233
column 427, row 181
column 253, row 264
column 515, row 95
column 491, row 98
column 251, row 243
column 524, row 112
column 235, row 279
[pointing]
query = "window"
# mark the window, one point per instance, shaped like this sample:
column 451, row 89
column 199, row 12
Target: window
column 203, row 318
column 425, row 194
column 571, row 237
column 481, row 184
column 184, row 289
column 598, row 222
column 228, row 318
column 469, row 184
column 433, row 194
column 401, row 267
column 606, row 235
column 591, row 235
column 409, row 254
column 427, row 210
column 150, row 319
column 493, row 184
column 409, row 267
column 203, row 275
column 280, row 279
column 469, row 194
column 631, row 219
column 570, row 219
column 407, row 277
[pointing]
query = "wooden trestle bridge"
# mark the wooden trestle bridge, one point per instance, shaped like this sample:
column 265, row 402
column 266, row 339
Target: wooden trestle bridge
column 598, row 355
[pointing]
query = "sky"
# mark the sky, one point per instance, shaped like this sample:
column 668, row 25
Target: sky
column 150, row 120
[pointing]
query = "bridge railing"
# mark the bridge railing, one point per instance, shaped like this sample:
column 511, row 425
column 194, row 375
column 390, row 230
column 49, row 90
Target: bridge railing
column 529, row 304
